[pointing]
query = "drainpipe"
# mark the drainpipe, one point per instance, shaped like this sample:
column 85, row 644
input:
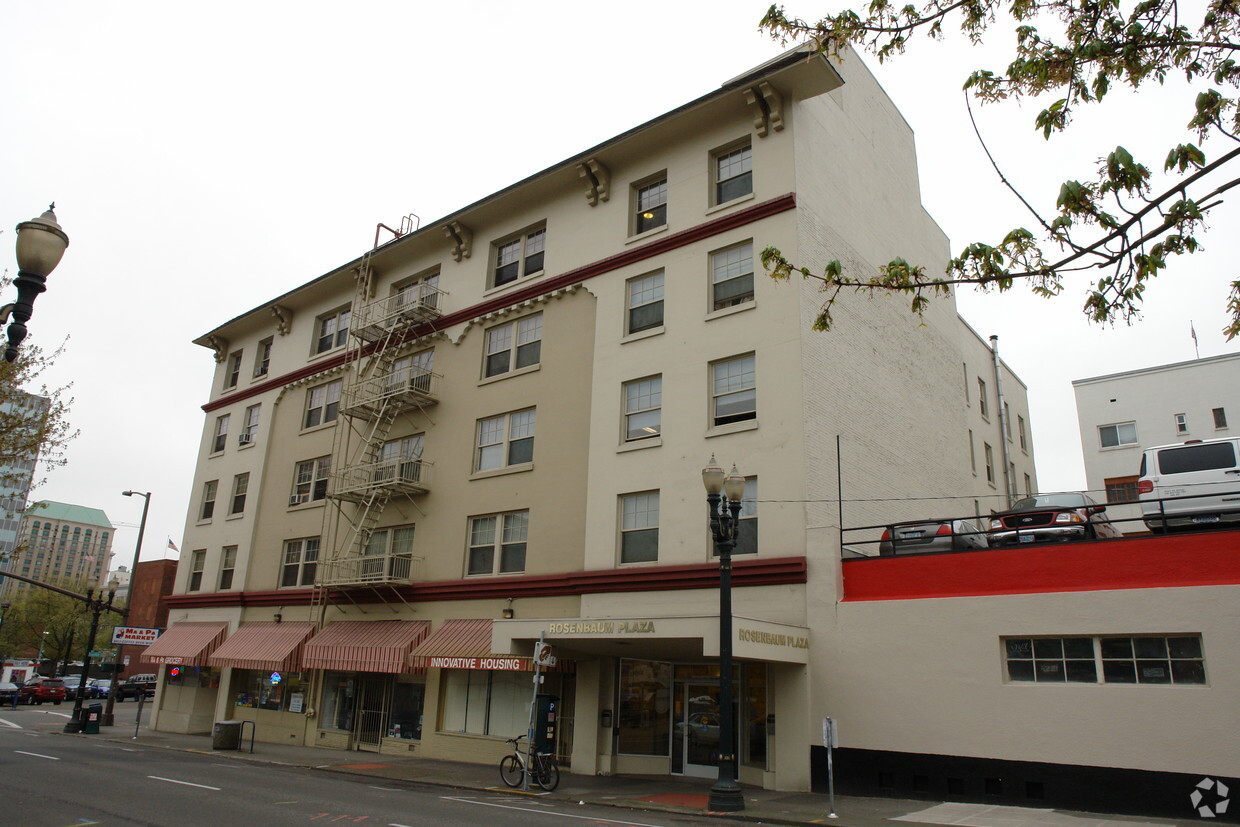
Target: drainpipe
column 1004, row 425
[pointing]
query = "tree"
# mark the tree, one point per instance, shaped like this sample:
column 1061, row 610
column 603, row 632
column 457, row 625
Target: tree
column 42, row 620
column 1117, row 224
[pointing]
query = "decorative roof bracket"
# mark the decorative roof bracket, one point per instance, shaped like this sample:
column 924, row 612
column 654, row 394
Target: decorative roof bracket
column 462, row 239
column 598, row 181
column 284, row 319
column 768, row 108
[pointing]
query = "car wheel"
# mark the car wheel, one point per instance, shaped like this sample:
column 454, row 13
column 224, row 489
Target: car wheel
column 55, row 703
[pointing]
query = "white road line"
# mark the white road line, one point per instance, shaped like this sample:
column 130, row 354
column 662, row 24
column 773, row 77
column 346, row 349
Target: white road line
column 385, row 789
column 10, row 723
column 186, row 783
column 595, row 819
column 61, row 714
column 37, row 755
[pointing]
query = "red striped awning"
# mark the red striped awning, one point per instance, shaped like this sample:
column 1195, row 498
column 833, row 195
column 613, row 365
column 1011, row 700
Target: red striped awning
column 265, row 645
column 466, row 644
column 186, row 644
column 365, row 645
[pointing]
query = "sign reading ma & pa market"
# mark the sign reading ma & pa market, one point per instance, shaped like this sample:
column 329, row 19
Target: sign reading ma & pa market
column 135, row 635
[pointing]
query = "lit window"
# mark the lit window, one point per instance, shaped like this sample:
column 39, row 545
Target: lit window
column 502, row 356
column 322, row 404
column 731, row 276
column 643, row 403
column 651, row 211
column 639, row 528
column 497, row 543
column 1123, row 433
column 733, row 173
column 522, row 256
column 505, row 440
column 734, row 395
column 333, row 331
column 645, row 302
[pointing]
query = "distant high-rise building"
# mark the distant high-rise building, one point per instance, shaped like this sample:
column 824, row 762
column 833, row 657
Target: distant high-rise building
column 16, row 472
column 62, row 544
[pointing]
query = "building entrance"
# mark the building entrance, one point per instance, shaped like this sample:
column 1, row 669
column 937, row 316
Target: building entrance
column 698, row 716
column 373, row 692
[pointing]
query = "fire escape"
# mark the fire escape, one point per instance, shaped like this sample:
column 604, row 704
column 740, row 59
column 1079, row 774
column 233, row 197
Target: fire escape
column 387, row 381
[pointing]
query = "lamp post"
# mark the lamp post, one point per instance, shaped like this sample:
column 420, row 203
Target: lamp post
column 40, row 244
column 97, row 606
column 108, row 715
column 725, row 794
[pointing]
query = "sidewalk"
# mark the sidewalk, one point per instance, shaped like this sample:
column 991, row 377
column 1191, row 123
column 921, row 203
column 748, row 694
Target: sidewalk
column 656, row 793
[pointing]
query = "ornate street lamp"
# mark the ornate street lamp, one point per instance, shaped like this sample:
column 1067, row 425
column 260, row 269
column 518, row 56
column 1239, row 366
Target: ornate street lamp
column 725, row 795
column 97, row 607
column 40, row 244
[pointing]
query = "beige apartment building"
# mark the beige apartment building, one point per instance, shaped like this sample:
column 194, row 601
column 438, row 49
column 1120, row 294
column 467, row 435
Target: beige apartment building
column 491, row 428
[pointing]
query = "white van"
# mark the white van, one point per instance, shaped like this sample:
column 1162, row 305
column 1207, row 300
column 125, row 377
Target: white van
column 1190, row 484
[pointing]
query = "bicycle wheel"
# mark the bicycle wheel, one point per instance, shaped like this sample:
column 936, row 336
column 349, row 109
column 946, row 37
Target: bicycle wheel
column 510, row 771
column 548, row 776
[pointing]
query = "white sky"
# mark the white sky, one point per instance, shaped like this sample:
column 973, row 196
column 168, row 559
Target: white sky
column 205, row 158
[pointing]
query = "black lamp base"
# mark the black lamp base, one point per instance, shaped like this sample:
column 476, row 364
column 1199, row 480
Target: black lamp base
column 726, row 797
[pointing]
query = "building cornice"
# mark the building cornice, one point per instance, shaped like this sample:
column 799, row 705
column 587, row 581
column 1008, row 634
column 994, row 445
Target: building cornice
column 745, row 573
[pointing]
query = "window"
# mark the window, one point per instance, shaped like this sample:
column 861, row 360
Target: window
column 731, row 276
column 1220, row 417
column 413, row 371
column 485, row 702
column 262, row 357
column 497, row 543
column 400, row 460
column 502, row 357
column 333, row 331
column 972, row 454
column 1028, row 486
column 241, row 482
column 1121, row 490
column 197, row 562
column 228, row 565
column 643, row 404
column 734, row 396
column 301, row 558
column 639, row 528
column 990, row 463
column 1007, row 421
column 505, row 440
column 388, row 554
column 651, row 206
column 1113, row 436
column 1020, row 432
column 1051, row 660
column 221, row 434
column 522, row 256
column 1153, row 659
column 747, row 529
column 310, row 480
column 733, row 173
column 423, row 291
column 1181, row 423
column 249, row 431
column 233, row 373
column 208, row 499
column 322, row 404
column 645, row 302
column 981, row 398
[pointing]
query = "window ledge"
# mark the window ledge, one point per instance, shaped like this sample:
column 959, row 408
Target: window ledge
column 732, row 428
column 729, row 311
column 501, row 472
column 236, row 516
column 215, row 454
column 633, row 239
column 643, row 334
column 308, row 505
column 508, row 285
column 207, row 521
column 508, row 374
column 249, row 444
column 638, row 444
column 316, row 356
column 1126, row 447
column 320, row 426
column 740, row 199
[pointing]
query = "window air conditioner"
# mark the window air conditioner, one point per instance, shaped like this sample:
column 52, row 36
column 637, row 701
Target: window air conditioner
column 298, row 499
column 244, row 439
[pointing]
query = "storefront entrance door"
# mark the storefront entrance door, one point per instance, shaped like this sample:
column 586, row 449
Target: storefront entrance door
column 698, row 729
column 372, row 713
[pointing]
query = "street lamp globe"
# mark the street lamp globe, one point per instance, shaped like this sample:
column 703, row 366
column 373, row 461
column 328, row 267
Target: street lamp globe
column 40, row 244
column 713, row 476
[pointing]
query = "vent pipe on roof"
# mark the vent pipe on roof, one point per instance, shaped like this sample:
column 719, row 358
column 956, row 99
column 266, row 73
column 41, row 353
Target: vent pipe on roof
column 1009, row 483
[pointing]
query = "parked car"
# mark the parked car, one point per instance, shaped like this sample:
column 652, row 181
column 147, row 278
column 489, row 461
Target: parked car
column 1190, row 484
column 71, row 688
column 134, row 687
column 38, row 690
column 7, row 692
column 104, row 687
column 1051, row 518
column 947, row 535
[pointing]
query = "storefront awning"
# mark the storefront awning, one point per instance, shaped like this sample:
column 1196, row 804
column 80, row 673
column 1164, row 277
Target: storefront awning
column 265, row 645
column 186, row 644
column 466, row 644
column 365, row 645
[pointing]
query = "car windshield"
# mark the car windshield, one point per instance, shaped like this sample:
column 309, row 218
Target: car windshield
column 1050, row 501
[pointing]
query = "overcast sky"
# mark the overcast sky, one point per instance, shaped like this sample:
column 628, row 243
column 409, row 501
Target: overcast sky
column 206, row 158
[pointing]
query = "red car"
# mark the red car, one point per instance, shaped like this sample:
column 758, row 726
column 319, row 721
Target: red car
column 38, row 690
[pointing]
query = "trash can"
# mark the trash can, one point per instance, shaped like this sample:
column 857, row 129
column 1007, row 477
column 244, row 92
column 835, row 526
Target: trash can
column 226, row 735
column 91, row 718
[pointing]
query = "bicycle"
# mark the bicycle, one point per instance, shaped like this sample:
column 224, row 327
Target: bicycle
column 512, row 768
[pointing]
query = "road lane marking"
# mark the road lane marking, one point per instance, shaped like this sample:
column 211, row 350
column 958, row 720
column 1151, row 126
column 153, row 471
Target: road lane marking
column 186, row 783
column 10, row 723
column 595, row 819
column 385, row 789
column 37, row 755
column 61, row 714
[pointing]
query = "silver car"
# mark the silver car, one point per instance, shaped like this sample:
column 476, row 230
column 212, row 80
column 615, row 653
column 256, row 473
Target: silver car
column 947, row 535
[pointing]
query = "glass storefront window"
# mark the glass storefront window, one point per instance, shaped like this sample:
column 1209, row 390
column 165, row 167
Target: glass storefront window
column 753, row 713
column 339, row 701
column 644, row 713
column 263, row 689
column 196, row 676
column 406, row 719
column 482, row 702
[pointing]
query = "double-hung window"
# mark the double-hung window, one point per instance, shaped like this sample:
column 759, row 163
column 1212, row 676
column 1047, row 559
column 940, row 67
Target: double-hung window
column 400, row 459
column 301, row 559
column 241, row 483
column 310, row 480
column 505, row 440
column 221, row 434
column 1181, row 423
column 651, row 206
column 197, row 562
column 733, row 173
column 322, row 404
column 731, row 276
column 639, row 527
column 421, row 292
column 497, row 543
column 262, row 357
column 249, row 431
column 519, row 257
column 1121, row 433
column 514, row 345
column 208, row 499
column 645, row 302
column 388, row 554
column 981, row 398
column 734, row 391
column 747, row 528
column 990, row 462
column 233, row 372
column 333, row 331
column 643, row 408
column 228, row 566
column 411, row 372
column 1220, row 417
